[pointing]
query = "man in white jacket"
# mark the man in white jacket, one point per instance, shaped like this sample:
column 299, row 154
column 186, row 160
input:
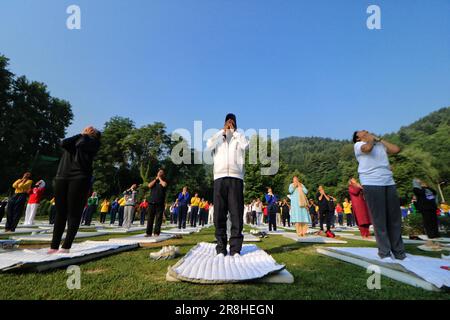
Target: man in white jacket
column 228, row 149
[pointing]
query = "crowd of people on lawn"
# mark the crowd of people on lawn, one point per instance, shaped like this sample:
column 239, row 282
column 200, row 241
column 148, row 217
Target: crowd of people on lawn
column 373, row 201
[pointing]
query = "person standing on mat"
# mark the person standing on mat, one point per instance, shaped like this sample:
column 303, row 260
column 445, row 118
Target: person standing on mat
column 104, row 210
column 183, row 200
column 360, row 208
column 72, row 185
column 348, row 212
column 158, row 188
column 143, row 209
column 121, row 211
column 52, row 215
column 313, row 213
column 427, row 206
column 340, row 214
column 299, row 204
column 272, row 209
column 228, row 150
column 285, row 213
column 17, row 202
column 380, row 192
column 325, row 216
column 33, row 202
column 195, row 203
column 114, row 210
column 91, row 208
column 130, row 203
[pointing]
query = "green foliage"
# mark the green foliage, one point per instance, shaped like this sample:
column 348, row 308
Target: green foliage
column 32, row 119
column 413, row 225
column 44, row 208
column 425, row 154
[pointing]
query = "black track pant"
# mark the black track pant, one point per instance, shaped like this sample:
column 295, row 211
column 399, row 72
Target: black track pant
column 229, row 198
column 286, row 218
column 182, row 214
column 272, row 221
column 15, row 210
column 194, row 216
column 325, row 217
column 155, row 216
column 121, row 212
column 70, row 199
column 430, row 223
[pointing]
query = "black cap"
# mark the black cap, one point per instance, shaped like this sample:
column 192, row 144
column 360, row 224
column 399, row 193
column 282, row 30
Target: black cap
column 231, row 116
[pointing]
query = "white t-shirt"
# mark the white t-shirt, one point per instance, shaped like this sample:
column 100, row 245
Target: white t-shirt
column 374, row 168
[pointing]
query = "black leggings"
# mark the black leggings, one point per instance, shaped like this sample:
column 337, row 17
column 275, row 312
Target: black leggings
column 70, row 199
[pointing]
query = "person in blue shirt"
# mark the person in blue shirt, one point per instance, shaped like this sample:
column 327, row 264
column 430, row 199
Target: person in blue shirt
column 183, row 201
column 114, row 210
column 272, row 209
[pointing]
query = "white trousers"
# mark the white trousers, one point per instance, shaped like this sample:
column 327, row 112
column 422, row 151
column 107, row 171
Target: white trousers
column 259, row 218
column 211, row 217
column 30, row 213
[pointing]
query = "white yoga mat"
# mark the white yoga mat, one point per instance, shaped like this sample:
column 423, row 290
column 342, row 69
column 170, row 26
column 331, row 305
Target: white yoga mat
column 426, row 268
column 313, row 239
column 141, row 239
column 372, row 239
column 186, row 231
column 442, row 239
column 251, row 238
column 48, row 236
column 203, row 265
column 121, row 230
column 22, row 231
column 20, row 258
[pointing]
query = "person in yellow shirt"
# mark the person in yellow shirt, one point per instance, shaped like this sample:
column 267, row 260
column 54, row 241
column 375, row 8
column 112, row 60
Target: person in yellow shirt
column 195, row 202
column 17, row 202
column 51, row 219
column 104, row 210
column 201, row 212
column 445, row 208
column 121, row 210
column 348, row 212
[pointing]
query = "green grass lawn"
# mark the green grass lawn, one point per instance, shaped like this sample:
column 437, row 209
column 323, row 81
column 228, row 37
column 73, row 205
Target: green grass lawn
column 132, row 276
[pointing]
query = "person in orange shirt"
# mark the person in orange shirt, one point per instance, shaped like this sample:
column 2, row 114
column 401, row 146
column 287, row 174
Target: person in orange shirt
column 17, row 202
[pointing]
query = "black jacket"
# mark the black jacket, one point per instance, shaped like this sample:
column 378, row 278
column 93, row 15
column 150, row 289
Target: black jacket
column 425, row 203
column 78, row 156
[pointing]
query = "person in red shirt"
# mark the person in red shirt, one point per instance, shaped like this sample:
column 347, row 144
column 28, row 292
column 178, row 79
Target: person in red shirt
column 340, row 213
column 144, row 208
column 33, row 202
column 360, row 207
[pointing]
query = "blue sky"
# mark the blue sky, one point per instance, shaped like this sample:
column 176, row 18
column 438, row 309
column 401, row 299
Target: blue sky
column 309, row 68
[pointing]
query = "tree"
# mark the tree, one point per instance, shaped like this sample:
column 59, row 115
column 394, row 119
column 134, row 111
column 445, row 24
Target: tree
column 31, row 126
column 112, row 171
column 147, row 147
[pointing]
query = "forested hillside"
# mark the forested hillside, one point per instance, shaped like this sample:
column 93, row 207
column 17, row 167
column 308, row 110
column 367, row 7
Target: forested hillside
column 425, row 154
